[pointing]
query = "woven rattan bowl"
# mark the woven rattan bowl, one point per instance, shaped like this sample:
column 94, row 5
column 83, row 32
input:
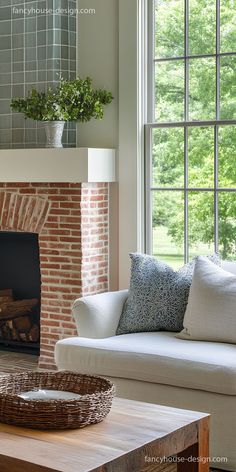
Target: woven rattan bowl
column 92, row 407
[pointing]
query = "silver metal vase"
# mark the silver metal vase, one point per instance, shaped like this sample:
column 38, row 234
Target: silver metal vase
column 54, row 131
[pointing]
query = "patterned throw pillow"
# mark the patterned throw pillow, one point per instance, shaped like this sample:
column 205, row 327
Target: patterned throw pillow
column 158, row 295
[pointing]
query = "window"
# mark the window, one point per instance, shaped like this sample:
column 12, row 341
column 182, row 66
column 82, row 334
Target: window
column 191, row 134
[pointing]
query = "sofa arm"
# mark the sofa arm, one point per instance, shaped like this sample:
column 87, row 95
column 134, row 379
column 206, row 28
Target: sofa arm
column 97, row 316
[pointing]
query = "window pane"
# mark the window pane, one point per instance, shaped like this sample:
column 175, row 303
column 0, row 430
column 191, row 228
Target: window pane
column 227, row 157
column 202, row 89
column 202, row 26
column 169, row 28
column 227, row 225
column 168, row 227
column 201, row 157
column 168, row 157
column 228, row 25
column 200, row 223
column 228, row 88
column 169, row 91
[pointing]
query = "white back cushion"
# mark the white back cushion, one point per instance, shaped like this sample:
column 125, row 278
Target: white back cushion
column 229, row 266
column 211, row 309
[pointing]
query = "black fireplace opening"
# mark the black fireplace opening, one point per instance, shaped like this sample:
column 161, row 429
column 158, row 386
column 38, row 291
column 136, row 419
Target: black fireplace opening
column 20, row 292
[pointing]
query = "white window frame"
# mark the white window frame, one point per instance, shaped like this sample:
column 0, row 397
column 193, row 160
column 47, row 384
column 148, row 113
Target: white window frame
column 151, row 124
column 132, row 116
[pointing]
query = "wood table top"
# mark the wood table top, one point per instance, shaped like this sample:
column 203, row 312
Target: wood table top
column 129, row 426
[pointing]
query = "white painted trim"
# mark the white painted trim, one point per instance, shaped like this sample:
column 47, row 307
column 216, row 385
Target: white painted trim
column 57, row 165
column 98, row 59
column 131, row 136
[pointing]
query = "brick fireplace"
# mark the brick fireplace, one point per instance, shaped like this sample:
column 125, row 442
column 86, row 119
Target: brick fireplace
column 71, row 220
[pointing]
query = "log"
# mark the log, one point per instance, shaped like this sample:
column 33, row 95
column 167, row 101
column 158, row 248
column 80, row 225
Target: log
column 34, row 334
column 22, row 324
column 6, row 333
column 5, row 300
column 23, row 337
column 7, row 292
column 13, row 309
column 6, row 295
column 14, row 334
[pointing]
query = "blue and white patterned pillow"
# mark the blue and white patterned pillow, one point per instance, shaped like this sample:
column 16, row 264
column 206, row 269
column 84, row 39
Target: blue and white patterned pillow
column 158, row 295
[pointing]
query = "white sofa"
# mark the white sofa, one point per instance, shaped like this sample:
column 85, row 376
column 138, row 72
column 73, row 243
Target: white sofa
column 157, row 367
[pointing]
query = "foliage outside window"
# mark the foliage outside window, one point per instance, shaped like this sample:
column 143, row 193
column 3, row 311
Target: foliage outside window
column 191, row 137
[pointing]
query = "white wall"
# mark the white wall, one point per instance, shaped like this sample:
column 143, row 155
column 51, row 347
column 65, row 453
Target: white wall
column 108, row 51
column 98, row 58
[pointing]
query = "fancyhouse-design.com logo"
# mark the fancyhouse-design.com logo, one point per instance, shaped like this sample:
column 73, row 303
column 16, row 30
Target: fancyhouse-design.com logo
column 52, row 11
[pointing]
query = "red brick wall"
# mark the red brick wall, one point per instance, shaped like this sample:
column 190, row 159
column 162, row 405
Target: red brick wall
column 72, row 222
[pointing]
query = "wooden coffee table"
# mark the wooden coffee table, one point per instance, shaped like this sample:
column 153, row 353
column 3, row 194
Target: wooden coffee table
column 134, row 437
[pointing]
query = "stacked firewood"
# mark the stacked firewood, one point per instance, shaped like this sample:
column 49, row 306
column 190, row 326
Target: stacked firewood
column 16, row 318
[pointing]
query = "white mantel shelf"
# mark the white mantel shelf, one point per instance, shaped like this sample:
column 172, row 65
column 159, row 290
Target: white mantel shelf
column 73, row 165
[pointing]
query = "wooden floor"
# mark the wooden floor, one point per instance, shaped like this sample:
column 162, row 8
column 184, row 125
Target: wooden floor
column 11, row 362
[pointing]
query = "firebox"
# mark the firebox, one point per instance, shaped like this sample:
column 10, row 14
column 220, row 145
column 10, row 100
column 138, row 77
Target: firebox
column 20, row 287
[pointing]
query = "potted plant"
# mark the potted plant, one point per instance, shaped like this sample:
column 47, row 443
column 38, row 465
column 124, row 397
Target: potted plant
column 70, row 100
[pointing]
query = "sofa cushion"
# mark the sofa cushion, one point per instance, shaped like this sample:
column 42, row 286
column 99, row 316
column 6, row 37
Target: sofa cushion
column 211, row 309
column 157, row 357
column 158, row 295
column 229, row 266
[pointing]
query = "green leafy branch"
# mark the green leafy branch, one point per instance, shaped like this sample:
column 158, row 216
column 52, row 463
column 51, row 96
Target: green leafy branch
column 74, row 100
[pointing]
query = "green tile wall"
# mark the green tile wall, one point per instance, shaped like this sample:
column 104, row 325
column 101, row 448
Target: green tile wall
column 36, row 46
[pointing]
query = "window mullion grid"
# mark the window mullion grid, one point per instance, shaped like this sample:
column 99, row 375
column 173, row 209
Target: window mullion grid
column 186, row 118
column 151, row 61
column 193, row 56
column 181, row 124
column 216, row 129
column 216, row 123
column 186, row 244
column 148, row 131
column 186, row 61
column 148, row 193
column 216, row 210
column 217, row 59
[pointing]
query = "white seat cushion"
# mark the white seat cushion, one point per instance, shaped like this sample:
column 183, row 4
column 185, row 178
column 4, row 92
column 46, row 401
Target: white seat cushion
column 157, row 357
